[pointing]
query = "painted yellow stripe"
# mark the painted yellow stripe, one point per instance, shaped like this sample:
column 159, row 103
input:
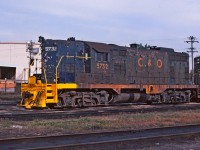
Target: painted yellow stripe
column 67, row 86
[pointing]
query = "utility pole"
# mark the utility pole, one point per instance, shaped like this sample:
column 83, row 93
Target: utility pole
column 192, row 40
column 29, row 49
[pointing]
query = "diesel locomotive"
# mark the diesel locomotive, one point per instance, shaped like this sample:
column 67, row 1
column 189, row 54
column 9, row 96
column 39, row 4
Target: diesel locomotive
column 82, row 73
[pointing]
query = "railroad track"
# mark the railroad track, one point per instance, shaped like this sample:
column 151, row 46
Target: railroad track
column 128, row 139
column 8, row 103
column 26, row 115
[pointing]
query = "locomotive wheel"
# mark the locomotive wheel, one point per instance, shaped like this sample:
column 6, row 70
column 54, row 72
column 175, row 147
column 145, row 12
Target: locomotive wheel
column 86, row 103
column 93, row 102
column 79, row 103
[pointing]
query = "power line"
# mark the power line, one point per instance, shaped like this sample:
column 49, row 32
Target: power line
column 192, row 40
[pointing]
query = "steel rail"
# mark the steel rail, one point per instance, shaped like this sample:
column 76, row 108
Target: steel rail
column 131, row 143
column 96, row 111
column 102, row 139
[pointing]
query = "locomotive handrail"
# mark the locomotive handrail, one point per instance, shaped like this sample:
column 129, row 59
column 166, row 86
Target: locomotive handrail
column 57, row 74
column 57, row 68
column 59, row 64
column 82, row 57
column 45, row 76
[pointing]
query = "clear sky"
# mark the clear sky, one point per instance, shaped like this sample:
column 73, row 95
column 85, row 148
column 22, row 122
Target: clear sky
column 164, row 23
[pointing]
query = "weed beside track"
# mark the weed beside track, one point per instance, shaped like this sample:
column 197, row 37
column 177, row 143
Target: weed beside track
column 9, row 128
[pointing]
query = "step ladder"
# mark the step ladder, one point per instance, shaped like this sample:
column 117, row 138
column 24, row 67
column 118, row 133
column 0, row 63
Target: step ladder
column 50, row 93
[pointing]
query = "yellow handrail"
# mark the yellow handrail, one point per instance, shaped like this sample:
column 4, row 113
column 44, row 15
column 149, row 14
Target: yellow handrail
column 57, row 75
column 59, row 64
column 45, row 76
column 82, row 57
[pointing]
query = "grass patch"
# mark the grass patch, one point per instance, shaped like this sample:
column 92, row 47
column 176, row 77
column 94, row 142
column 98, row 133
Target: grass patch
column 98, row 123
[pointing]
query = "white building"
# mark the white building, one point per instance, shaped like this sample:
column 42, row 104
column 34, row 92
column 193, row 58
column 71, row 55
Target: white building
column 14, row 54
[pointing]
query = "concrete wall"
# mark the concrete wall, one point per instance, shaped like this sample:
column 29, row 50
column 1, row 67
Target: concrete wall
column 15, row 55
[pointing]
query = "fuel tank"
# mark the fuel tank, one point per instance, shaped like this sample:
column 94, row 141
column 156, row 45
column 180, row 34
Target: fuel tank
column 131, row 98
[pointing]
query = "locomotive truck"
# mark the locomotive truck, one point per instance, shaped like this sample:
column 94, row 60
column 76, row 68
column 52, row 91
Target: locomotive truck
column 82, row 73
